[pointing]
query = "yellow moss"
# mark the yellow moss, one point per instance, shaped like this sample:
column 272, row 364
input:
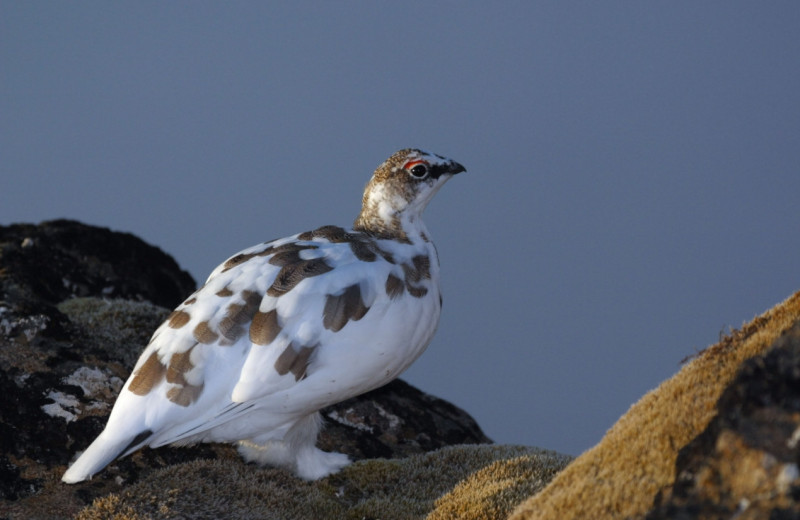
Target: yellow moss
column 110, row 508
column 619, row 477
column 409, row 488
column 494, row 491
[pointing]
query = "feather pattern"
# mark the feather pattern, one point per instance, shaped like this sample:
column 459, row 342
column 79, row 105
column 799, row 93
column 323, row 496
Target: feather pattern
column 287, row 327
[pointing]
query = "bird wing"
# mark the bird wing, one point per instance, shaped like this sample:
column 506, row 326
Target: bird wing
column 258, row 327
column 310, row 302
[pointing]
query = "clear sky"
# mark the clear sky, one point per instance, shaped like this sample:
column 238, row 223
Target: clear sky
column 633, row 167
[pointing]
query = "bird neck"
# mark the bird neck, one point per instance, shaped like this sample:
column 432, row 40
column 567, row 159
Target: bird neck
column 382, row 221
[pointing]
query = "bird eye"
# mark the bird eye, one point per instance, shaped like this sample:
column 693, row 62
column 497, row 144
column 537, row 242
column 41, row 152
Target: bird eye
column 418, row 169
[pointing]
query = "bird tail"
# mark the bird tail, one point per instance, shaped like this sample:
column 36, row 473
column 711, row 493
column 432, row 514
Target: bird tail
column 100, row 453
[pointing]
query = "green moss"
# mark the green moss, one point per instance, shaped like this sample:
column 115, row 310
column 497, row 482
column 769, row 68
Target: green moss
column 386, row 489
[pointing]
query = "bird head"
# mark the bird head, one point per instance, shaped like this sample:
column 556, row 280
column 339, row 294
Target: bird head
column 400, row 189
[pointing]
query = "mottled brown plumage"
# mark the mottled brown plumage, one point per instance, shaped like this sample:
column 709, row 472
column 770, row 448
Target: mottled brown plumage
column 286, row 327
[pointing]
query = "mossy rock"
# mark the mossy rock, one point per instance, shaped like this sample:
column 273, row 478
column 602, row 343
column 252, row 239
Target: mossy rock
column 435, row 484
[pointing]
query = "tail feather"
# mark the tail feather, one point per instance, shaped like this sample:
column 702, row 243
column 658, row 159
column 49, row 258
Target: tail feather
column 100, row 453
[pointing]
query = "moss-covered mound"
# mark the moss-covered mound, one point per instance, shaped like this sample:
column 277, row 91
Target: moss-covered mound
column 387, row 489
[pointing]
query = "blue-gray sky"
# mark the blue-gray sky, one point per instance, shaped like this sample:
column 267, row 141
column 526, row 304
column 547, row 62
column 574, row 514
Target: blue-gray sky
column 633, row 167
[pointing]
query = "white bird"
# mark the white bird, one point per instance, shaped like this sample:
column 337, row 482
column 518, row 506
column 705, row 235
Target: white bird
column 285, row 328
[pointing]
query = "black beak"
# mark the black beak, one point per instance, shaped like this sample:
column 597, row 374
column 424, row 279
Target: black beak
column 448, row 168
column 454, row 168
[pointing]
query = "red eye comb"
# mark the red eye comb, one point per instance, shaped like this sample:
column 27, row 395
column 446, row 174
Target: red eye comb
column 411, row 164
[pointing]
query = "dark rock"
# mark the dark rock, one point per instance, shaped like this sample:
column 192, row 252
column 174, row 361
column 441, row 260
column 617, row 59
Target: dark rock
column 62, row 259
column 77, row 306
column 745, row 463
column 394, row 421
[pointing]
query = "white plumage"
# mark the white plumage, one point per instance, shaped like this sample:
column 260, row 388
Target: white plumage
column 287, row 327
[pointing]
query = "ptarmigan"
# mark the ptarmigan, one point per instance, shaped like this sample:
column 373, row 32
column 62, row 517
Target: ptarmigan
column 287, row 327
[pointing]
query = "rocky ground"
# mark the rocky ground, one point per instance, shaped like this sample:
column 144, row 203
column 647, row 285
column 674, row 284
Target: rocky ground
column 720, row 439
column 77, row 305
